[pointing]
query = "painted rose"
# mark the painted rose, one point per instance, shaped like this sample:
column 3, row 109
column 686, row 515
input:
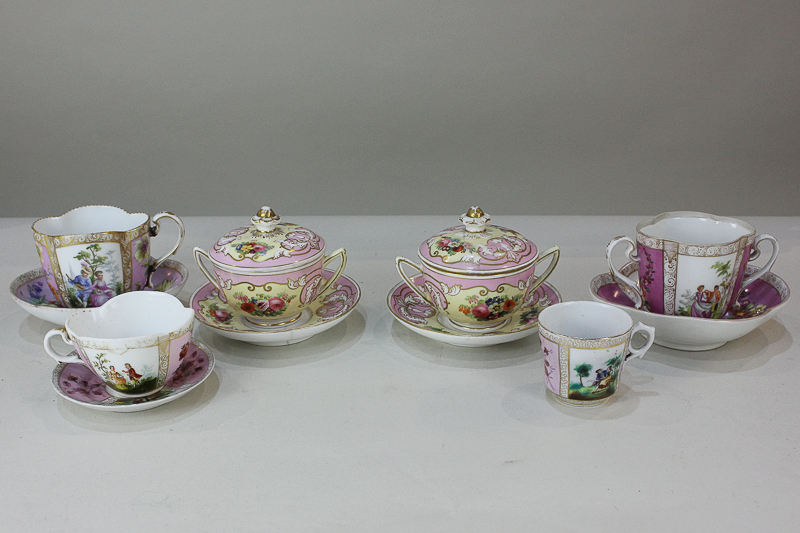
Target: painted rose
column 480, row 311
column 248, row 307
column 219, row 314
column 508, row 305
column 276, row 304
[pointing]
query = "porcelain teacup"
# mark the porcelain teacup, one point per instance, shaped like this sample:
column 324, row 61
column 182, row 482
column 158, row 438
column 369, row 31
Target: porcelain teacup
column 690, row 263
column 271, row 271
column 477, row 275
column 134, row 343
column 95, row 252
column 584, row 347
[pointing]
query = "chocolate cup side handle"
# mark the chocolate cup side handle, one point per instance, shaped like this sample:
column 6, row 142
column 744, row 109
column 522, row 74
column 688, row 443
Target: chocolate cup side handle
column 555, row 251
column 340, row 252
column 198, row 252
column 411, row 285
column 630, row 288
column 60, row 332
column 154, row 230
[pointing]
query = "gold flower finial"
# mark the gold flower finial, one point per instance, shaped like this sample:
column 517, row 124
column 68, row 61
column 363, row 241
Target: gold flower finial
column 265, row 220
column 475, row 212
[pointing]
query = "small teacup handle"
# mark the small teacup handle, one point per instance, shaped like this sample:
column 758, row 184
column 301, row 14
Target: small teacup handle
column 59, row 332
column 555, row 251
column 198, row 254
column 399, row 262
column 754, row 253
column 340, row 252
column 154, row 231
column 630, row 288
column 649, row 332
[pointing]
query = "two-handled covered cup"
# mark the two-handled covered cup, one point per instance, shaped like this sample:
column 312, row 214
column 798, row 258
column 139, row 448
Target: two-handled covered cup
column 271, row 271
column 476, row 274
column 95, row 252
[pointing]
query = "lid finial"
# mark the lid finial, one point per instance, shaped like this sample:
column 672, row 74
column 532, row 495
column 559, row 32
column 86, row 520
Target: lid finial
column 266, row 219
column 475, row 219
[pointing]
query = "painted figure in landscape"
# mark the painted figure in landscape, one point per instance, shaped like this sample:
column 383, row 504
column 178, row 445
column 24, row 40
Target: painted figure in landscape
column 703, row 302
column 132, row 374
column 82, row 284
column 604, row 383
column 101, row 293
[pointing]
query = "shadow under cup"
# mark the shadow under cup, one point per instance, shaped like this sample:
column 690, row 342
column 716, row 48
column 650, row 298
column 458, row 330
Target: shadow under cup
column 584, row 348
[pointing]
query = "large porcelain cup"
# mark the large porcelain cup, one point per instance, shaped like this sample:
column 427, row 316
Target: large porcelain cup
column 95, row 252
column 476, row 274
column 271, row 271
column 690, row 263
column 134, row 343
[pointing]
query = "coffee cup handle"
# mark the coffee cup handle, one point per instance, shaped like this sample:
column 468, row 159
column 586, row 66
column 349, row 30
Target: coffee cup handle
column 399, row 261
column 155, row 228
column 59, row 332
column 754, row 253
column 630, row 288
column 337, row 253
column 650, row 334
column 555, row 251
column 198, row 253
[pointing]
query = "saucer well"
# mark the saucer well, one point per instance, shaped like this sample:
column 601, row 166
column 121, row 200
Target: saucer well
column 330, row 308
column 421, row 317
column 33, row 294
column 757, row 304
column 76, row 383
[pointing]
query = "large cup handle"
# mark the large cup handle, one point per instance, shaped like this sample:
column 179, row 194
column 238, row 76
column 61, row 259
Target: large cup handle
column 337, row 253
column 411, row 285
column 650, row 334
column 630, row 288
column 154, row 231
column 198, row 253
column 555, row 251
column 754, row 253
column 59, row 332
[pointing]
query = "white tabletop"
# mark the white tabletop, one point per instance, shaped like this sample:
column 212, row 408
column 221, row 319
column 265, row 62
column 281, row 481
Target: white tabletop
column 371, row 427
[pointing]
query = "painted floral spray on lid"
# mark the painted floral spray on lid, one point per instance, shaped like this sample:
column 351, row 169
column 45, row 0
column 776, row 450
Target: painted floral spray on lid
column 476, row 246
column 268, row 242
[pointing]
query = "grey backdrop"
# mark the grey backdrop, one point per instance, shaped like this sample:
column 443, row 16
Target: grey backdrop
column 401, row 107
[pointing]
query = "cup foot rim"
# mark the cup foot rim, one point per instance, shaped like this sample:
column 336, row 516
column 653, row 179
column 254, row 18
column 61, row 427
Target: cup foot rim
column 126, row 396
column 457, row 326
column 581, row 404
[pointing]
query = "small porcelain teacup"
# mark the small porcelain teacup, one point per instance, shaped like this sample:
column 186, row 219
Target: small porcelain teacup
column 271, row 271
column 584, row 347
column 134, row 343
column 477, row 275
column 95, row 252
column 690, row 263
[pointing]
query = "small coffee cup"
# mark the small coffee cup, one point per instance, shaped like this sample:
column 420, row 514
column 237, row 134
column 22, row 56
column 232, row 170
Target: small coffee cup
column 134, row 343
column 690, row 264
column 585, row 346
column 95, row 252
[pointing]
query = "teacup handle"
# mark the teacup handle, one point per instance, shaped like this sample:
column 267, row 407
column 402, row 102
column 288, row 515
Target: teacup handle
column 649, row 332
column 198, row 253
column 555, row 251
column 630, row 288
column 59, row 332
column 411, row 285
column 337, row 253
column 154, row 231
column 754, row 253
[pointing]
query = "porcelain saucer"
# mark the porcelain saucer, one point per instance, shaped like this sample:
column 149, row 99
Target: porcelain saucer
column 757, row 304
column 330, row 308
column 33, row 294
column 421, row 317
column 76, row 383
